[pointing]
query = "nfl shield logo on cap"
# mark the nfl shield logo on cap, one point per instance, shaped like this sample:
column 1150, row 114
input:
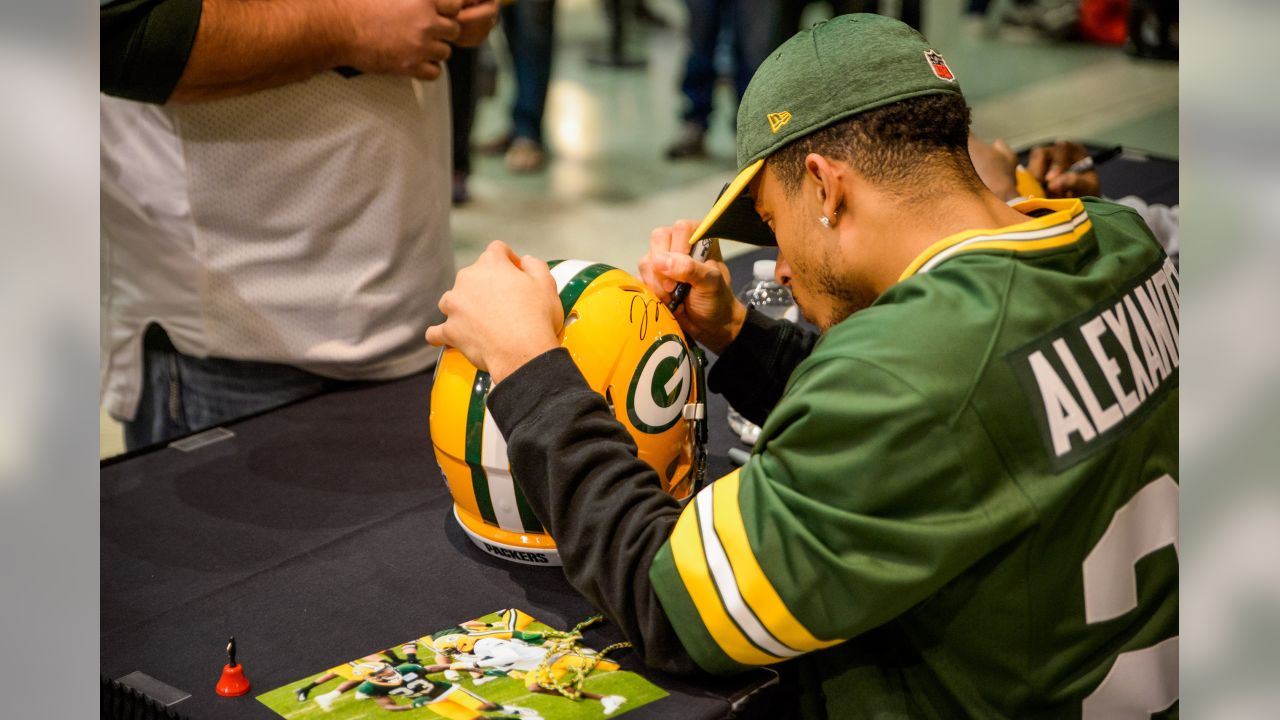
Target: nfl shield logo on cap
column 939, row 66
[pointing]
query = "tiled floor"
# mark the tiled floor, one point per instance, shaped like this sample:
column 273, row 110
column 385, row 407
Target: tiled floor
column 608, row 185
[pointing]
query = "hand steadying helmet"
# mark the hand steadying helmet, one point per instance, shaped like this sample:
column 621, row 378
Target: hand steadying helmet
column 632, row 351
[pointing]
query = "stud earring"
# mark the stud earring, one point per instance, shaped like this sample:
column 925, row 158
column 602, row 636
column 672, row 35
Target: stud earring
column 826, row 222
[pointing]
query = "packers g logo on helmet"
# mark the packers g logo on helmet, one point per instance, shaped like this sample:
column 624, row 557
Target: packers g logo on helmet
column 632, row 351
column 661, row 385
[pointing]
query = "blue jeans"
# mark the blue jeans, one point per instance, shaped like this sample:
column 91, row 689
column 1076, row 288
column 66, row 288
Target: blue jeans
column 183, row 394
column 754, row 31
column 529, row 26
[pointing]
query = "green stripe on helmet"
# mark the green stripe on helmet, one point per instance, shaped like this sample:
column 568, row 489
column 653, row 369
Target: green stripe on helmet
column 655, row 396
column 527, row 518
column 574, row 288
column 475, row 440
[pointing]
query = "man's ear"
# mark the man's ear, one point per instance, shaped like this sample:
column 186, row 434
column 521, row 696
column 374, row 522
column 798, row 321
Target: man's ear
column 827, row 178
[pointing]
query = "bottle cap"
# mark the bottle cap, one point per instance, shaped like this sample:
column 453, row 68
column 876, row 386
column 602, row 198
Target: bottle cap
column 763, row 269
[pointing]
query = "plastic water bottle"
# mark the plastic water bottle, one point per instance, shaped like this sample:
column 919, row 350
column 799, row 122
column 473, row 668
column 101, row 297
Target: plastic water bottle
column 774, row 300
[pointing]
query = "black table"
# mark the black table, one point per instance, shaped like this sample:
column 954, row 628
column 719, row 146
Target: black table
column 319, row 532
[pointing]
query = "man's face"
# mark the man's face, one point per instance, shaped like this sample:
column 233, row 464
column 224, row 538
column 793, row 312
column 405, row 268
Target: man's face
column 811, row 259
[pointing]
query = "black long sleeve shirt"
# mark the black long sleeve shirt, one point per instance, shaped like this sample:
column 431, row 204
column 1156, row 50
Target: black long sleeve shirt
column 578, row 469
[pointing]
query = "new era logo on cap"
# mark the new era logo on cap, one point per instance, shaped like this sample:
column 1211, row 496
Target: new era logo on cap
column 939, row 66
column 777, row 120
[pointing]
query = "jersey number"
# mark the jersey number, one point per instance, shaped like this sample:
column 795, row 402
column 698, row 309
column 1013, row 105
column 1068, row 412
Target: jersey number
column 1143, row 681
column 413, row 684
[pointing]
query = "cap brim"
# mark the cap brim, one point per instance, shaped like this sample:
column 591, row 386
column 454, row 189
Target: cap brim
column 734, row 217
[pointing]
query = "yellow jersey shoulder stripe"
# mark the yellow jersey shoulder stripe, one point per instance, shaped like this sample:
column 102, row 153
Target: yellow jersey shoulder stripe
column 751, row 580
column 691, row 564
column 1066, row 224
column 740, row 608
column 726, row 584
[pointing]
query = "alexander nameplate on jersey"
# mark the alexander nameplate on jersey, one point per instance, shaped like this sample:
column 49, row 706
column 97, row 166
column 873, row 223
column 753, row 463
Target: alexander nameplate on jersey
column 1090, row 377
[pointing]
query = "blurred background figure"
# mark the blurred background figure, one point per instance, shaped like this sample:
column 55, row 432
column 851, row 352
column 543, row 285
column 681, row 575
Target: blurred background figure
column 643, row 13
column 1050, row 167
column 908, row 11
column 528, row 26
column 623, row 16
column 463, row 96
column 1146, row 28
column 746, row 31
column 274, row 201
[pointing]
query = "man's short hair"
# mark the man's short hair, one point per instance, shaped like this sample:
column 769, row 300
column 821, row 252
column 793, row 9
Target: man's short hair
column 906, row 146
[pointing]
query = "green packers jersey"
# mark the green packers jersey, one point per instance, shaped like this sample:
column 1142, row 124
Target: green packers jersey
column 966, row 501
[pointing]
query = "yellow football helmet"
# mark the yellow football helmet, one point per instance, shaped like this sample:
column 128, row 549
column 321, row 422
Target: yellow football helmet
column 632, row 351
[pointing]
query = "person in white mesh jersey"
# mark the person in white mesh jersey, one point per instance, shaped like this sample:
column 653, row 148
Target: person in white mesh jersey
column 275, row 188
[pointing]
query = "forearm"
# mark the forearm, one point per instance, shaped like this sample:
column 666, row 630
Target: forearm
column 605, row 508
column 243, row 46
column 753, row 370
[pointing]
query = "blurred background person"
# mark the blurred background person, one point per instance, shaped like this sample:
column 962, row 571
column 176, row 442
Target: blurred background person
column 528, row 26
column 749, row 30
column 463, row 98
column 274, row 200
column 908, row 11
column 1050, row 166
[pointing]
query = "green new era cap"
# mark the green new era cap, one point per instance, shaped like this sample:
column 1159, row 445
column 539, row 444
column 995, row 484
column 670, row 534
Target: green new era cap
column 830, row 72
